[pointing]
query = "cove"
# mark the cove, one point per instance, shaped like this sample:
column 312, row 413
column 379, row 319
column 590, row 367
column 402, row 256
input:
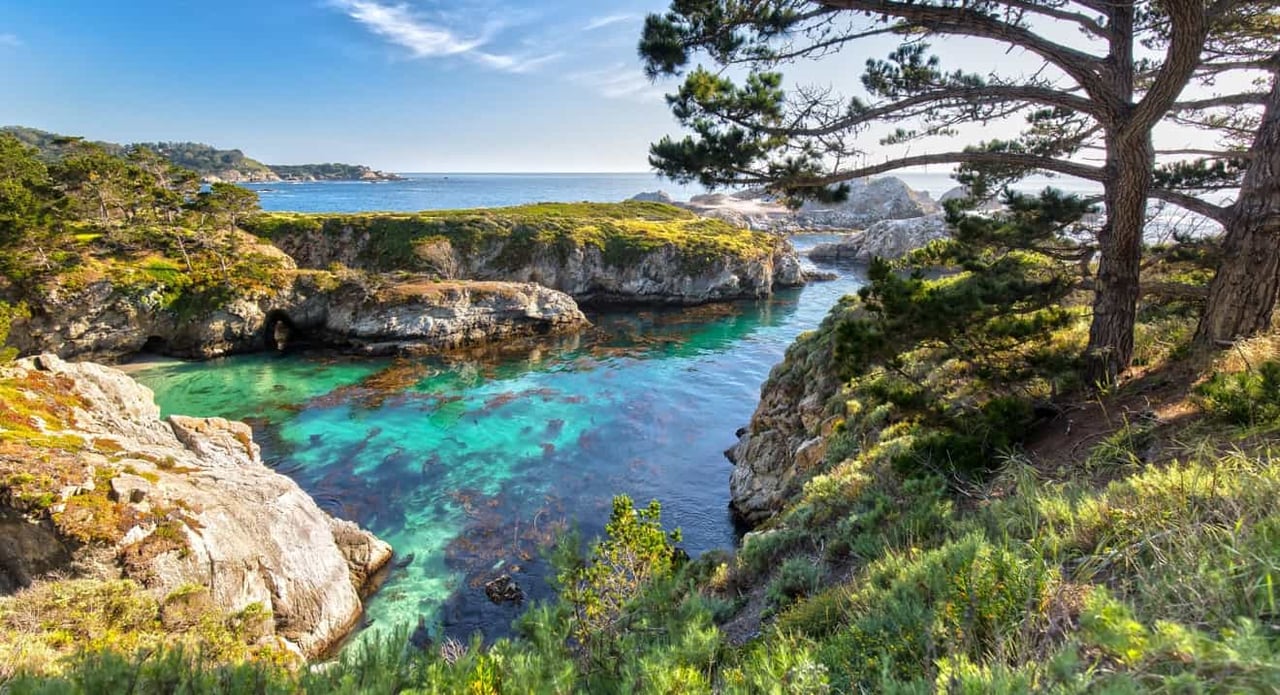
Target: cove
column 472, row 463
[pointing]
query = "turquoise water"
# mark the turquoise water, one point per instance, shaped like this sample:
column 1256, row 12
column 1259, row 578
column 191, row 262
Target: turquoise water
column 471, row 464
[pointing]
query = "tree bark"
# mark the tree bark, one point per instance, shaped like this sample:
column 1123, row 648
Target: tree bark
column 1127, row 173
column 1242, row 296
column 1115, row 304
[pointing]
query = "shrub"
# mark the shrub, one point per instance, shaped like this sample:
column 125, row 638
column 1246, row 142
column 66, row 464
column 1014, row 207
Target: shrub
column 1251, row 397
column 797, row 578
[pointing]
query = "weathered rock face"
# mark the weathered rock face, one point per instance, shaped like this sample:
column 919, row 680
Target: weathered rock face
column 870, row 201
column 786, row 438
column 101, row 322
column 890, row 239
column 664, row 275
column 447, row 315
column 182, row 502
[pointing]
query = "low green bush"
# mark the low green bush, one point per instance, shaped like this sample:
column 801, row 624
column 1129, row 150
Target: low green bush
column 797, row 578
column 1251, row 397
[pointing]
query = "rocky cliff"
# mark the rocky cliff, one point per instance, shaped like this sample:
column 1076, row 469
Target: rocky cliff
column 787, row 436
column 351, row 310
column 95, row 484
column 631, row 252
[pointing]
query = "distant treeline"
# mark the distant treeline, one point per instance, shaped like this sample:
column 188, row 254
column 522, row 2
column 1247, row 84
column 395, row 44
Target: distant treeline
column 209, row 162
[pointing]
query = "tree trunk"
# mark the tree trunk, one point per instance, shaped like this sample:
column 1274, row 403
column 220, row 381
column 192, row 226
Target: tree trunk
column 1115, row 304
column 1242, row 296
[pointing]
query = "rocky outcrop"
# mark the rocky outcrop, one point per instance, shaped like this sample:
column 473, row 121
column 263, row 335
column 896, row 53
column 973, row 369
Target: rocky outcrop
column 870, row 201
column 367, row 314
column 665, row 275
column 786, row 439
column 179, row 505
column 890, row 239
column 653, row 197
column 627, row 253
column 432, row 316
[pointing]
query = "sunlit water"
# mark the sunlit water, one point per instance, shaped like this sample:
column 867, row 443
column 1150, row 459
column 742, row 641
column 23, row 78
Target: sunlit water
column 471, row 464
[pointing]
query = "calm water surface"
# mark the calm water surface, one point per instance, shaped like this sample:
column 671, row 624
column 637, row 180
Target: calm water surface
column 471, row 464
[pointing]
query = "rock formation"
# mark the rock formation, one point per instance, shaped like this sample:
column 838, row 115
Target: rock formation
column 788, row 432
column 430, row 316
column 404, row 314
column 870, row 201
column 889, row 239
column 630, row 253
column 102, row 487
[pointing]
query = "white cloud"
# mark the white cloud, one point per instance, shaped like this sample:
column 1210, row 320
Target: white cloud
column 399, row 25
column 602, row 22
column 10, row 40
column 619, row 82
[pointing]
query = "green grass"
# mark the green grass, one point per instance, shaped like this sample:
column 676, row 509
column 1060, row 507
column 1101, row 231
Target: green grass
column 622, row 232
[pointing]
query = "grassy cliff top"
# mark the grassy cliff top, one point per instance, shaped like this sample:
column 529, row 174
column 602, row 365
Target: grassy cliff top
column 621, row 230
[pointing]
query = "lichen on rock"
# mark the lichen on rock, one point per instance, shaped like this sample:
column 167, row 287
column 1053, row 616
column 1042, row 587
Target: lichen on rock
column 168, row 504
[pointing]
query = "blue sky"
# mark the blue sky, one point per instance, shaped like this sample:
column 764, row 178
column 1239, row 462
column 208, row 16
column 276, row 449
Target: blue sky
column 467, row 85
column 403, row 85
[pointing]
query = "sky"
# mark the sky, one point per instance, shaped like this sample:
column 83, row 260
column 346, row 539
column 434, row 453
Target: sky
column 465, row 85
column 401, row 85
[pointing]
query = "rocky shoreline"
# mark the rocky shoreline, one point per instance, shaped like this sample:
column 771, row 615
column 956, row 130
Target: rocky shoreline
column 373, row 284
column 100, row 488
column 870, row 201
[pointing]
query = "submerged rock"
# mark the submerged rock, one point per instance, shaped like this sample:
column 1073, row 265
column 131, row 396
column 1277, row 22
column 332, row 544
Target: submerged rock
column 504, row 589
column 187, row 503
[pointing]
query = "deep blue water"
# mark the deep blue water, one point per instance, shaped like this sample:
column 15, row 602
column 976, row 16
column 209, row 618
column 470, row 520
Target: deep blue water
column 472, row 463
column 453, row 191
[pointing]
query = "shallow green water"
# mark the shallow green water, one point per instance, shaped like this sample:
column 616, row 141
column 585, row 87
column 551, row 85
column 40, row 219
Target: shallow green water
column 472, row 464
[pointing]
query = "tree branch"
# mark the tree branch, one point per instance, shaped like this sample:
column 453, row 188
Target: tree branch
column 1189, row 29
column 1085, row 21
column 1243, row 99
column 962, row 21
column 974, row 96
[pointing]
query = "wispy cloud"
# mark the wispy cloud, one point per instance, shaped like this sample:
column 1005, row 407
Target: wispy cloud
column 425, row 38
column 602, row 22
column 619, row 81
column 10, row 40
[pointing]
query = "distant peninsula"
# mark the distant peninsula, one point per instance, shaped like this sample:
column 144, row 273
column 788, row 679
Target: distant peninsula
column 212, row 164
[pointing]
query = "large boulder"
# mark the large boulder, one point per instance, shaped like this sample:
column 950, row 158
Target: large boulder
column 432, row 316
column 174, row 504
column 889, row 239
column 652, row 197
column 870, row 201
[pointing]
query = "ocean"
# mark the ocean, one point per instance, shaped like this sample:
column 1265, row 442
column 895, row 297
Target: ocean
column 444, row 191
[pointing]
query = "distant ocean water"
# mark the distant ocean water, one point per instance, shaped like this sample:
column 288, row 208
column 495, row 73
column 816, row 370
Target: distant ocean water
column 443, row 191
